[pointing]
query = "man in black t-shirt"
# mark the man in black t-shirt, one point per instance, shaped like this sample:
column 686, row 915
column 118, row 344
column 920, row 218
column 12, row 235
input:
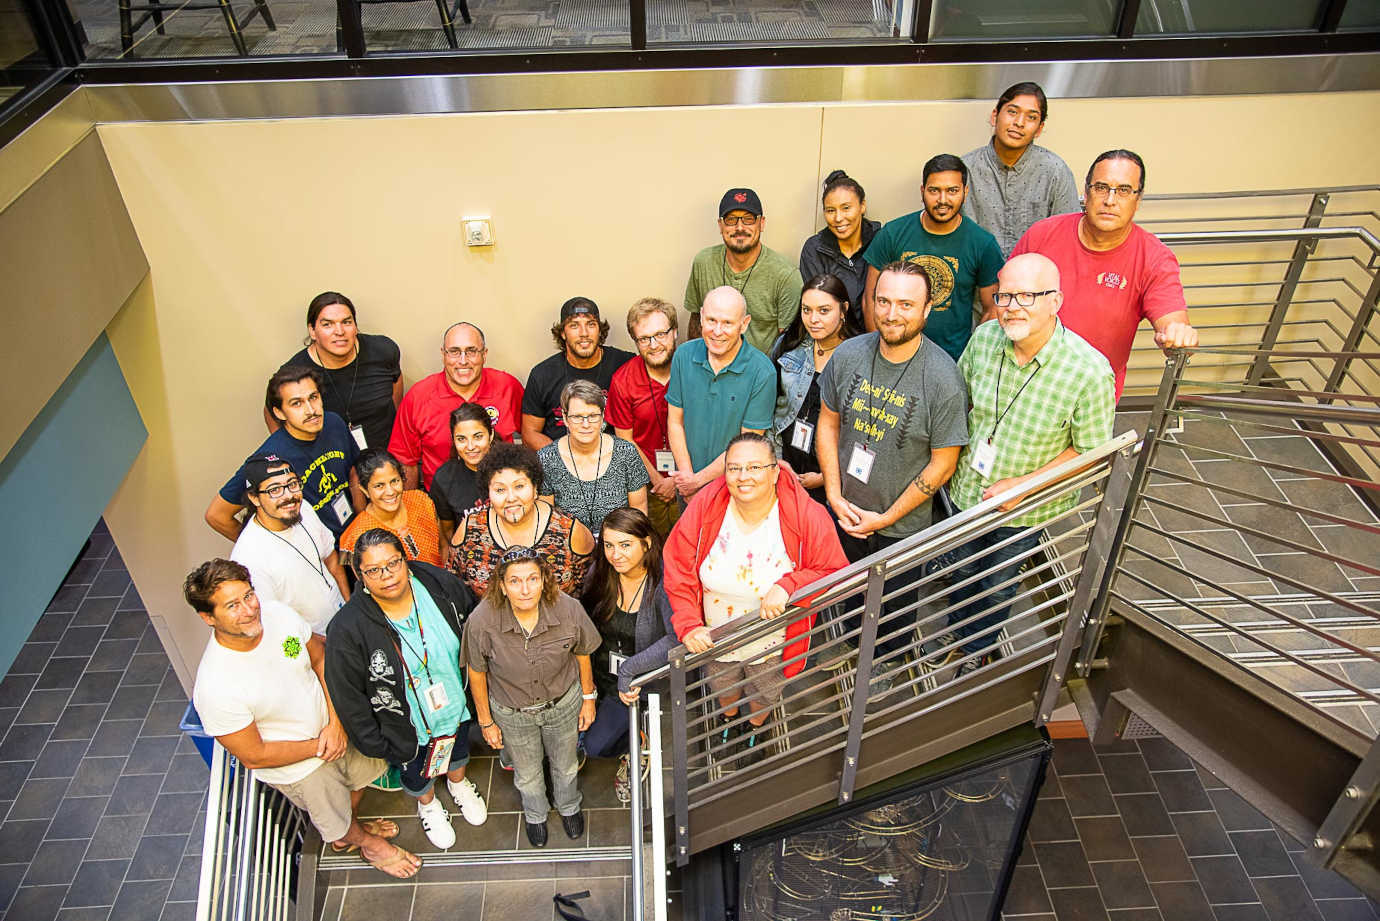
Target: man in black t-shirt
column 580, row 336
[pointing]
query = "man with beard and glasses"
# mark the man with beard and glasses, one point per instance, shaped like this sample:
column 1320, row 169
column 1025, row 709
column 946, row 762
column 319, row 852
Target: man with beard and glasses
column 288, row 551
column 1040, row 395
column 958, row 256
column 637, row 405
column 582, row 355
column 312, row 440
column 890, row 430
column 422, row 438
column 767, row 280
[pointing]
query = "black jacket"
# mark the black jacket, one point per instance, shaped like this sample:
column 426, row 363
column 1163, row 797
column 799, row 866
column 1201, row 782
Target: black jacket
column 364, row 672
column 821, row 254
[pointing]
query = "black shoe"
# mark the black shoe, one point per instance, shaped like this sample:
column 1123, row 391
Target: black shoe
column 536, row 834
column 728, row 740
column 752, row 745
column 574, row 825
column 973, row 665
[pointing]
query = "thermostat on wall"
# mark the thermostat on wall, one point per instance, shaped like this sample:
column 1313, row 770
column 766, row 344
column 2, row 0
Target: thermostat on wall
column 479, row 231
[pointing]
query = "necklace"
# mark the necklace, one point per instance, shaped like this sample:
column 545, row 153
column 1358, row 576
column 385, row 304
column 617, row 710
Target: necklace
column 635, row 601
column 752, row 268
column 315, row 355
column 580, row 481
column 496, row 533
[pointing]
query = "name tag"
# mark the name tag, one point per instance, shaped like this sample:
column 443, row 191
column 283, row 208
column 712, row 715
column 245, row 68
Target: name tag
column 983, row 458
column 615, row 661
column 665, row 461
column 436, row 697
column 802, row 436
column 860, row 463
column 357, row 432
column 340, row 505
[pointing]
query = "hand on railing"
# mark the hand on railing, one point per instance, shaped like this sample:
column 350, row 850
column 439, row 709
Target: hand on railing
column 774, row 602
column 699, row 640
column 1176, row 334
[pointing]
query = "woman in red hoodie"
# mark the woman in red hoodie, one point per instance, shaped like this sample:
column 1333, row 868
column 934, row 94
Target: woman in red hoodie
column 748, row 541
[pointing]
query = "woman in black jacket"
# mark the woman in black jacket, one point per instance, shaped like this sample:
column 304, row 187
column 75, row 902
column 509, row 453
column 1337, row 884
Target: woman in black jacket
column 838, row 249
column 392, row 667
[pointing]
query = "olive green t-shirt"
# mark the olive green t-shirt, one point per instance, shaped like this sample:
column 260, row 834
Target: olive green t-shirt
column 771, row 286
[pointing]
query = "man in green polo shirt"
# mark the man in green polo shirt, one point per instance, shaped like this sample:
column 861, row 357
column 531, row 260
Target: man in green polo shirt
column 720, row 386
column 1039, row 396
column 768, row 281
column 956, row 253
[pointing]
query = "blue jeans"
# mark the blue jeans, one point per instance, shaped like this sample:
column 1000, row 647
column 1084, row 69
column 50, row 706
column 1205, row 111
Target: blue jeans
column 413, row 783
column 977, row 555
column 607, row 736
column 550, row 734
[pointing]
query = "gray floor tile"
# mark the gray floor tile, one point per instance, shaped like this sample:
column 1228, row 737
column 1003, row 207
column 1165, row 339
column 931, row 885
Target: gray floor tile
column 131, row 702
column 39, row 799
column 112, row 655
column 173, row 813
column 1251, row 912
column 1182, row 901
column 1088, row 795
column 127, row 625
column 1163, row 859
column 375, row 902
column 158, row 857
column 96, row 688
column 95, row 612
column 78, row 721
column 1262, row 853
column 507, row 900
column 11, row 875
column 186, row 774
column 140, row 901
column 79, row 641
column 164, row 718
column 90, row 913
column 77, row 817
column 114, row 738
column 1223, row 879
column 97, row 882
column 178, row 911
column 62, row 673
column 20, row 839
column 1144, row 814
column 149, row 756
column 43, row 706
column 1286, row 899
column 37, row 903
column 147, row 669
column 1083, row 904
column 1063, row 863
column 59, row 759
column 188, row 877
column 454, row 900
column 31, row 658
column 1123, row 884
column 24, row 743
column 1051, row 821
column 54, row 863
column 135, row 794
column 117, row 836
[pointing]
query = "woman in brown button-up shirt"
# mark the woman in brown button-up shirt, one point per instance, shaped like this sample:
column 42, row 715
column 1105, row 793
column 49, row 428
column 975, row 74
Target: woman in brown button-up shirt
column 527, row 649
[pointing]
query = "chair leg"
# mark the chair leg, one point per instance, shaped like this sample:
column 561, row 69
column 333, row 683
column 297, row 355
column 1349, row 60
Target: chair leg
column 233, row 25
column 267, row 14
column 126, row 27
column 464, row 9
column 447, row 26
column 157, row 12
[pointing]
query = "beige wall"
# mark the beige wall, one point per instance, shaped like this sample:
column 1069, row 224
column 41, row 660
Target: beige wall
column 243, row 222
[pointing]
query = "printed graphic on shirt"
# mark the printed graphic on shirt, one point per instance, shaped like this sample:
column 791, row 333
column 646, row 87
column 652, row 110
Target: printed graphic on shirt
column 383, row 700
column 379, row 669
column 877, row 410
column 1113, row 280
column 941, row 270
column 328, row 485
column 292, row 647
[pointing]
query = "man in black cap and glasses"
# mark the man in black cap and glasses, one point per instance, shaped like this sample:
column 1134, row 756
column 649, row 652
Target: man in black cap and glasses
column 768, row 281
column 582, row 355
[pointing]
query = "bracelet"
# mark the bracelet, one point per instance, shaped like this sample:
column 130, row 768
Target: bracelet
column 592, row 695
column 484, row 726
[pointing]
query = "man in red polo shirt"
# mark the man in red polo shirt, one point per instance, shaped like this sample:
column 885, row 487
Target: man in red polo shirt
column 637, row 403
column 1114, row 273
column 421, row 433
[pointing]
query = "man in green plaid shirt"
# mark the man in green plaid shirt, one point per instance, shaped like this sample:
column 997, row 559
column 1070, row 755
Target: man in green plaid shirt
column 1039, row 395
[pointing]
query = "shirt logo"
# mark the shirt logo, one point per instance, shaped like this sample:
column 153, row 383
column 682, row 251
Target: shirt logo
column 379, row 669
column 941, row 272
column 1113, row 280
column 740, row 197
column 292, row 647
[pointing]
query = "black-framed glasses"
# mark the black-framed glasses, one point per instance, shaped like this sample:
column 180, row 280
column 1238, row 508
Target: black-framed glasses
column 278, row 490
column 1023, row 298
column 743, row 220
column 377, row 572
column 1102, row 190
column 647, row 342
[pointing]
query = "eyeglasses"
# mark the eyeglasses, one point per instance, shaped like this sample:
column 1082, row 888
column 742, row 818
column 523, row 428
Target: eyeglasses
column 1023, row 298
column 471, row 354
column 584, row 419
column 752, row 470
column 1102, row 190
column 647, row 342
column 277, row 490
column 376, row 572
column 742, row 220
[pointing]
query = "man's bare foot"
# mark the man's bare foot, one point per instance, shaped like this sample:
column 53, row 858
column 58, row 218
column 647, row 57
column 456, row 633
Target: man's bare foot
column 393, row 860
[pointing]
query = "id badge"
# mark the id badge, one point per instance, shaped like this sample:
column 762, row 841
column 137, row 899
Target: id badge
column 803, row 436
column 860, row 463
column 665, row 461
column 357, row 432
column 438, row 756
column 984, row 458
column 340, row 505
column 615, row 661
column 436, row 697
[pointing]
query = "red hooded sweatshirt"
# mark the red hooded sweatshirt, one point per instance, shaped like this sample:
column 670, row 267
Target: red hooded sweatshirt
column 806, row 529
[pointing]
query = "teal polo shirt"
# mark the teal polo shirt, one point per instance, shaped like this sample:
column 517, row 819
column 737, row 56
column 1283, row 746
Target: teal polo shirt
column 719, row 406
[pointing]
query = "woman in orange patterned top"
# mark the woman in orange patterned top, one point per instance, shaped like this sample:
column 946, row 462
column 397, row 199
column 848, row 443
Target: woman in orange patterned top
column 407, row 513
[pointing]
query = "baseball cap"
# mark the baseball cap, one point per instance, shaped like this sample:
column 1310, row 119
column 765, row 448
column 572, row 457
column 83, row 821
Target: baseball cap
column 260, row 467
column 578, row 305
column 740, row 200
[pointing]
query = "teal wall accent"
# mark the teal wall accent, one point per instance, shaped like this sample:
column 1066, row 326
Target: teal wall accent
column 56, row 482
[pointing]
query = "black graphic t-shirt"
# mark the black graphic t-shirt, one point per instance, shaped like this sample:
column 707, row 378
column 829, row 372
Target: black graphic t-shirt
column 542, row 397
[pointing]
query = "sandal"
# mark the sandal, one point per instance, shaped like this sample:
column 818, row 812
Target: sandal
column 400, row 861
column 382, row 828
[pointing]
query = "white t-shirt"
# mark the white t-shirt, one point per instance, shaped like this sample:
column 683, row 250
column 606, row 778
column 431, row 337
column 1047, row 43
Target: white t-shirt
column 740, row 568
column 272, row 686
column 290, row 566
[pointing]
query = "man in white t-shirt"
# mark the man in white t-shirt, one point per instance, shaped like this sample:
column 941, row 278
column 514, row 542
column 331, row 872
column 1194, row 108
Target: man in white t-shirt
column 261, row 691
column 289, row 553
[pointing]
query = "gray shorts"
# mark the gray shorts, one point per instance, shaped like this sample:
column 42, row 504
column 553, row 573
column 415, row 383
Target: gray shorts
column 764, row 679
column 324, row 794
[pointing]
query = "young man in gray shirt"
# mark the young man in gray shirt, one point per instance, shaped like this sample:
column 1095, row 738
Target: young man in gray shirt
column 1014, row 182
column 892, row 421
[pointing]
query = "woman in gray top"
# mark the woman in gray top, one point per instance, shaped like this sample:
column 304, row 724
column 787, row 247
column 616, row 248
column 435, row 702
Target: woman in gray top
column 588, row 472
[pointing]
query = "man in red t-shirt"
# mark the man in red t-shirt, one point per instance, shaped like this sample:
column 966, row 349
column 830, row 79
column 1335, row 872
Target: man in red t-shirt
column 637, row 403
column 421, row 433
column 1114, row 273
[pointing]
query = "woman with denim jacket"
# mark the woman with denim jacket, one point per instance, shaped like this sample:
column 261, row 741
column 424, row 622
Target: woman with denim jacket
column 826, row 318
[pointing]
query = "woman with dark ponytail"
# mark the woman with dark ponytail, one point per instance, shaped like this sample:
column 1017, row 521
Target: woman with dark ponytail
column 838, row 249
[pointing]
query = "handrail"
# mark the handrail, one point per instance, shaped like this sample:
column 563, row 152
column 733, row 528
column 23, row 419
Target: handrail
column 1267, row 236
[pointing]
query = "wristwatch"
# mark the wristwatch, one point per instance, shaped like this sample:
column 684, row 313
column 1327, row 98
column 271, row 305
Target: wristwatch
column 592, row 695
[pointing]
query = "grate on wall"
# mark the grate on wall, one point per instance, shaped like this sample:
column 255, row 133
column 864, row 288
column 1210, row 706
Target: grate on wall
column 1137, row 728
column 593, row 15
column 753, row 31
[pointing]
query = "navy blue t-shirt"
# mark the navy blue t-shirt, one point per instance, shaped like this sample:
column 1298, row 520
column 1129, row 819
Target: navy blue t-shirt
column 322, row 465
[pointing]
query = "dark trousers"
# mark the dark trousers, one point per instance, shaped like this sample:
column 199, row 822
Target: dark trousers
column 903, row 626
column 607, row 736
column 977, row 555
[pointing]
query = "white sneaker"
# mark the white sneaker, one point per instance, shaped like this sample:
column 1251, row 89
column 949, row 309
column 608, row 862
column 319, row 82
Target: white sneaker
column 467, row 797
column 436, row 823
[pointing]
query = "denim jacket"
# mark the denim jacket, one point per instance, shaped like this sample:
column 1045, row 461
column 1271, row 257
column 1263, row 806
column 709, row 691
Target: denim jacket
column 796, row 370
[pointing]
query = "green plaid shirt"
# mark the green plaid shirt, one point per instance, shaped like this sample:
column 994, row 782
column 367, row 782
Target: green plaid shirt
column 1067, row 402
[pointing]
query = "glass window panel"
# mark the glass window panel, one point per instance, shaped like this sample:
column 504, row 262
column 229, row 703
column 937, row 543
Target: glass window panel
column 1182, row 17
column 1361, row 14
column 702, row 22
column 23, row 63
column 394, row 26
column 956, row 20
column 129, row 29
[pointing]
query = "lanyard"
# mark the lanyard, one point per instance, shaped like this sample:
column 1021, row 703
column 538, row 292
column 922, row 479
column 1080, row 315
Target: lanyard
column 872, row 377
column 354, row 379
column 319, row 566
column 752, row 268
column 580, row 483
column 424, row 657
column 651, row 401
column 996, row 394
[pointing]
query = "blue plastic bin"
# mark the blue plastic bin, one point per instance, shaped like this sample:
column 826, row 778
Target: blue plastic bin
column 191, row 724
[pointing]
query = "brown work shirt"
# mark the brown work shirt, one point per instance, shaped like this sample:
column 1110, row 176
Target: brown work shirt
column 525, row 670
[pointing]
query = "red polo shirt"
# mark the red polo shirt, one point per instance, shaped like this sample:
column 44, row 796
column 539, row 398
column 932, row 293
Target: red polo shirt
column 422, row 429
column 637, row 401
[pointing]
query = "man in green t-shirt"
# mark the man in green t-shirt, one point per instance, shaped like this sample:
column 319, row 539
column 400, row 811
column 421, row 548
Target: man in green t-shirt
column 959, row 255
column 768, row 281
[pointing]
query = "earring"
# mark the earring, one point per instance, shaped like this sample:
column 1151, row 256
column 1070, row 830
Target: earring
column 365, row 589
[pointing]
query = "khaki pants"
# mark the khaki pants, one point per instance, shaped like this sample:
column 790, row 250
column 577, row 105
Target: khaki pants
column 663, row 514
column 324, row 794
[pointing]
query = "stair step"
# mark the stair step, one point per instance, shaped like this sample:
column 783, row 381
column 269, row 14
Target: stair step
column 493, row 858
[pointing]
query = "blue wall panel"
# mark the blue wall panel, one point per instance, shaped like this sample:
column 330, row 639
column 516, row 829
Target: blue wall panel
column 56, row 482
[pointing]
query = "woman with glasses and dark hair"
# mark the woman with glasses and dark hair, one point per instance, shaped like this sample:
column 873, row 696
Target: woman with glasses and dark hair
column 527, row 648
column 361, row 378
column 826, row 318
column 393, row 670
column 744, row 545
column 409, row 514
column 455, row 488
column 588, row 472
column 515, row 516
